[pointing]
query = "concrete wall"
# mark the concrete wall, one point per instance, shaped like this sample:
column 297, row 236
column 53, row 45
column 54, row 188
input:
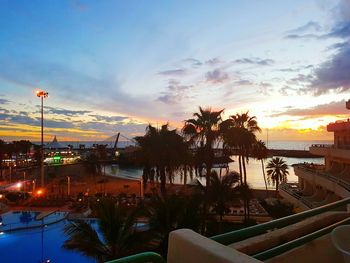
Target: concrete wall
column 187, row 246
column 315, row 179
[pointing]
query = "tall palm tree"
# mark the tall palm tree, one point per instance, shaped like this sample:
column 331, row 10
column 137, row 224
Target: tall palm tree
column 117, row 235
column 239, row 133
column 245, row 193
column 260, row 152
column 222, row 190
column 162, row 148
column 277, row 171
column 202, row 131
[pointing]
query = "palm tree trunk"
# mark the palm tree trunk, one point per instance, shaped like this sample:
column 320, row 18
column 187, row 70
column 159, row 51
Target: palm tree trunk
column 244, row 169
column 1, row 175
column 263, row 170
column 240, row 169
column 277, row 182
column 162, row 181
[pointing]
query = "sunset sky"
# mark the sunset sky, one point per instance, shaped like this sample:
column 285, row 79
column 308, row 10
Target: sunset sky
column 115, row 66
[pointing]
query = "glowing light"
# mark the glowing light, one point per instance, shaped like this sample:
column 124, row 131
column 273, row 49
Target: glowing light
column 1, row 196
column 19, row 185
column 1, row 233
column 39, row 192
column 41, row 93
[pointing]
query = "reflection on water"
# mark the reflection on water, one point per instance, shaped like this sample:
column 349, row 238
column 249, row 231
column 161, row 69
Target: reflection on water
column 254, row 171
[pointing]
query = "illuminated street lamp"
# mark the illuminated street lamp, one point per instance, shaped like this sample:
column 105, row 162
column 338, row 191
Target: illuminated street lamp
column 42, row 94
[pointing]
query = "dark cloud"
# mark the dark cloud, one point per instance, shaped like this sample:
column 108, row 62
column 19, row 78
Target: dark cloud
column 193, row 62
column 3, row 110
column 243, row 82
column 31, row 72
column 341, row 30
column 109, row 118
column 4, row 101
column 213, row 62
column 126, row 129
column 287, row 91
column 296, row 69
column 338, row 46
column 301, row 80
column 304, row 36
column 333, row 74
column 65, row 112
column 332, row 108
column 255, row 61
column 175, row 92
column 173, row 72
column 265, row 88
column 23, row 118
column 310, row 26
column 59, row 124
column 217, row 76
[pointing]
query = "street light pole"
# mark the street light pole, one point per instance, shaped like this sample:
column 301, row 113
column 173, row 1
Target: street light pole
column 42, row 94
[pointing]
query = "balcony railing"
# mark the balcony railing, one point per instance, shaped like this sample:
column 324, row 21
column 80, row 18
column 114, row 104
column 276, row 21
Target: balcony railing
column 323, row 145
column 323, row 174
column 332, row 146
column 238, row 235
column 286, row 188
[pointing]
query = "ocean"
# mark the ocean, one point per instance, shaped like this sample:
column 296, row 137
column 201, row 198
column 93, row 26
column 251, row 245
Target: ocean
column 254, row 170
column 278, row 145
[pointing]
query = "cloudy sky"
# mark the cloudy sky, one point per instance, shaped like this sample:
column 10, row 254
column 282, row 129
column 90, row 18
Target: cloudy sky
column 114, row 66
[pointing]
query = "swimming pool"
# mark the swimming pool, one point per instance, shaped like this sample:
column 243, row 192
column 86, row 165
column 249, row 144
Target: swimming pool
column 30, row 245
column 15, row 220
column 36, row 242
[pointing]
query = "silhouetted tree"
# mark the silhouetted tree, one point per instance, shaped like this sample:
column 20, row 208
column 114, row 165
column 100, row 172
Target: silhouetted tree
column 162, row 148
column 260, row 152
column 277, row 171
column 117, row 234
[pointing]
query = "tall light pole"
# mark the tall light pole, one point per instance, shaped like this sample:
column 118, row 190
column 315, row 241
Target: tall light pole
column 42, row 94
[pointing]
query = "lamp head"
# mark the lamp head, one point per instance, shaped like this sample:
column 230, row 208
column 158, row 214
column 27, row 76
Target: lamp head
column 41, row 93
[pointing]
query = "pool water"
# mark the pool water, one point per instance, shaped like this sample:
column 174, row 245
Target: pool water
column 27, row 219
column 25, row 246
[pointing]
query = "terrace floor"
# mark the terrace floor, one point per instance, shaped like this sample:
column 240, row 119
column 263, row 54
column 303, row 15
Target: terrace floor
column 320, row 250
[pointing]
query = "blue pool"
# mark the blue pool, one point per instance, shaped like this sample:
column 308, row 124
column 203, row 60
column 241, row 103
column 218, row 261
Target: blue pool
column 26, row 245
column 27, row 219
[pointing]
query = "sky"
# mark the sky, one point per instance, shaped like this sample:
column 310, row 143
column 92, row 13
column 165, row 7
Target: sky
column 117, row 66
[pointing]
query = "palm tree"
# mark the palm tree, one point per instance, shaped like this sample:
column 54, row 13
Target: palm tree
column 171, row 212
column 162, row 148
column 203, row 131
column 277, row 171
column 117, row 235
column 222, row 190
column 245, row 192
column 238, row 133
column 260, row 152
